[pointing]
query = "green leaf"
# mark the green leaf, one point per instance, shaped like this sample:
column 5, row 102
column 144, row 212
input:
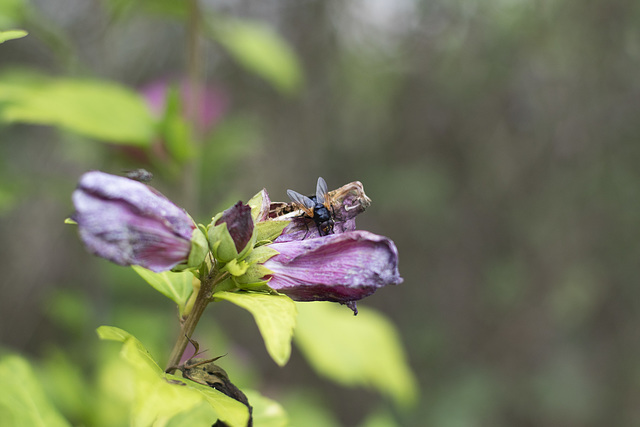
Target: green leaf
column 176, row 286
column 266, row 412
column 22, row 400
column 355, row 351
column 228, row 410
column 11, row 35
column 160, row 396
column 275, row 316
column 260, row 50
column 94, row 108
column 261, row 254
column 67, row 384
column 269, row 230
column 256, row 203
column 307, row 408
column 14, row 12
column 175, row 129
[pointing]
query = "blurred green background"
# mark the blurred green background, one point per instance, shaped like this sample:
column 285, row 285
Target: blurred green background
column 498, row 140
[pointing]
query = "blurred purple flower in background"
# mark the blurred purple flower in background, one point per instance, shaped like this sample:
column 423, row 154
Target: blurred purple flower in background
column 129, row 223
column 212, row 103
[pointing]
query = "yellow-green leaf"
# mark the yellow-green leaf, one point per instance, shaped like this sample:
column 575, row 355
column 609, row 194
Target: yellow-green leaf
column 266, row 412
column 99, row 109
column 176, row 286
column 159, row 396
column 363, row 350
column 11, row 35
column 261, row 50
column 22, row 400
column 275, row 316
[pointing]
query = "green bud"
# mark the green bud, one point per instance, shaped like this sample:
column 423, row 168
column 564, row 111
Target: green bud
column 232, row 233
column 222, row 245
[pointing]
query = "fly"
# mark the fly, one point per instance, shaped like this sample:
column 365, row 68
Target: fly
column 319, row 207
column 141, row 175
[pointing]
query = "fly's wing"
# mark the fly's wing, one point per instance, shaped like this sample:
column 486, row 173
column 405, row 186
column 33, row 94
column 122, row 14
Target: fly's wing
column 321, row 190
column 304, row 203
column 323, row 195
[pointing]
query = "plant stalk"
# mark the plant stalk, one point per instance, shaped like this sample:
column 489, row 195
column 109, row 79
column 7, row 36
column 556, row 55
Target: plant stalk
column 189, row 325
column 194, row 103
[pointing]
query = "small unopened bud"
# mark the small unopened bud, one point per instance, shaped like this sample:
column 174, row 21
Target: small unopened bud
column 231, row 233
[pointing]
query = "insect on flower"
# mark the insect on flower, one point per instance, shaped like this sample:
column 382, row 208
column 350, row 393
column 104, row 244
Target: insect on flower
column 140, row 174
column 319, row 207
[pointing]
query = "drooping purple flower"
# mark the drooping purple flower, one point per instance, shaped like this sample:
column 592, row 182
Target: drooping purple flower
column 342, row 267
column 130, row 223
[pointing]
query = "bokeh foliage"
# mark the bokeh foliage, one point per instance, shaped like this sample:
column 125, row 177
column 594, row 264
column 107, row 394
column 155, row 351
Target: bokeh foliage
column 497, row 139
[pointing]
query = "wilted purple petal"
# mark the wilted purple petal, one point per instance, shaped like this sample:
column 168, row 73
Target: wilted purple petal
column 239, row 224
column 265, row 207
column 129, row 223
column 305, row 228
column 340, row 267
column 349, row 201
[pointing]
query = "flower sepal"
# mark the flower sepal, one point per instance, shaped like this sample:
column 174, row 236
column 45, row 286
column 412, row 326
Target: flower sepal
column 198, row 253
column 253, row 276
column 259, row 205
column 249, row 273
column 235, row 268
column 268, row 231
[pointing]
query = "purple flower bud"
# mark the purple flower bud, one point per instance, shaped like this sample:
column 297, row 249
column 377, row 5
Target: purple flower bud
column 239, row 224
column 340, row 267
column 129, row 223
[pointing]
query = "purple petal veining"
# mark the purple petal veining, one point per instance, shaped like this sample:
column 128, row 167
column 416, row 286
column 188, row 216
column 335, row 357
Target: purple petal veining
column 340, row 267
column 129, row 223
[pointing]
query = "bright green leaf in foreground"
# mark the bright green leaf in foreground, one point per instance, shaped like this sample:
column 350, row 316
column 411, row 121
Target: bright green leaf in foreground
column 11, row 35
column 363, row 350
column 266, row 412
column 97, row 109
column 260, row 50
column 275, row 316
column 176, row 286
column 157, row 399
column 22, row 400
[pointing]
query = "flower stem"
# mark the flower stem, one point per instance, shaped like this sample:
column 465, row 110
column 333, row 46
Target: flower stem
column 194, row 103
column 204, row 297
